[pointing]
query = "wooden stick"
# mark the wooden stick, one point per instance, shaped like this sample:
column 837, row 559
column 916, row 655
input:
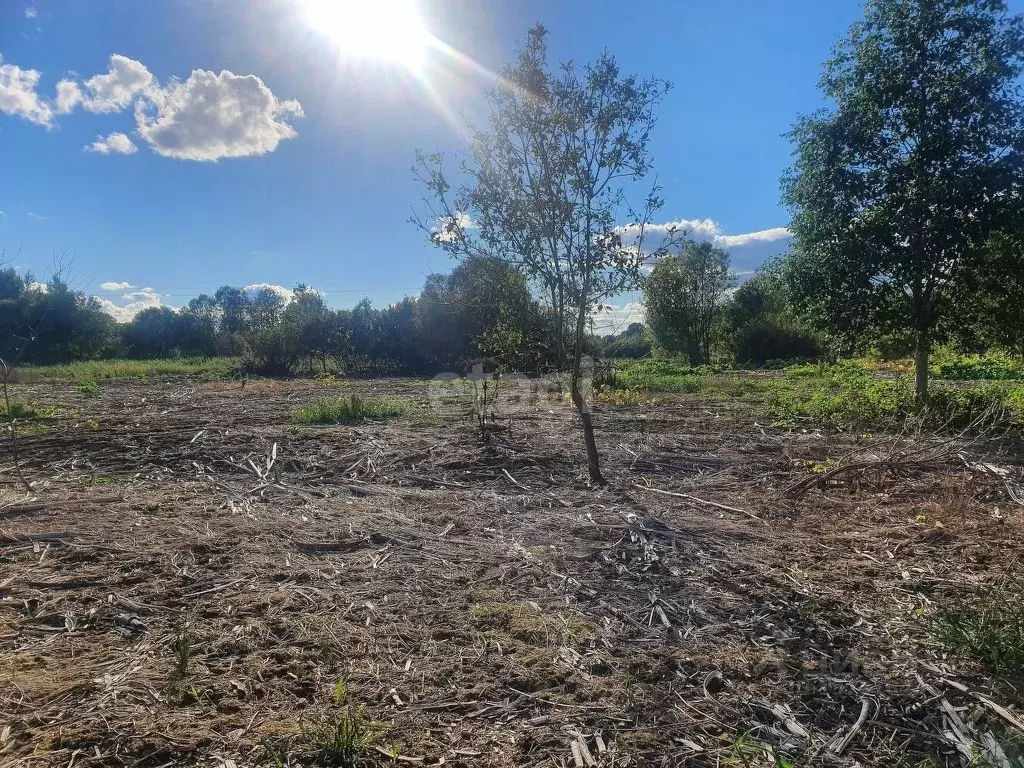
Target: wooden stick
column 840, row 745
column 687, row 496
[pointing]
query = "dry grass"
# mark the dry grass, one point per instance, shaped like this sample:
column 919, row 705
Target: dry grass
column 483, row 604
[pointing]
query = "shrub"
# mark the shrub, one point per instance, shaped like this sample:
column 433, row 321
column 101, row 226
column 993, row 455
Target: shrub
column 761, row 341
column 348, row 410
column 88, row 387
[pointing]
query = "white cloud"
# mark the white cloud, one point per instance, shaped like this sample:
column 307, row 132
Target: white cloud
column 37, row 216
column 112, row 92
column 135, row 302
column 210, row 116
column 114, row 285
column 616, row 317
column 117, row 143
column 711, row 231
column 255, row 288
column 747, row 250
column 764, row 236
column 30, row 12
column 18, row 95
column 205, row 117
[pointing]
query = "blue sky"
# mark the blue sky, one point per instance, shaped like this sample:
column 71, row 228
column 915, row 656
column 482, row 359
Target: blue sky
column 312, row 183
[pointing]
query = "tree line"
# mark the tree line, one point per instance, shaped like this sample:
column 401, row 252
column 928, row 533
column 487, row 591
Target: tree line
column 481, row 310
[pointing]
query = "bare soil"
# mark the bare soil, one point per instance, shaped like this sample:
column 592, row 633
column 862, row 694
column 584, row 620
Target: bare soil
column 482, row 604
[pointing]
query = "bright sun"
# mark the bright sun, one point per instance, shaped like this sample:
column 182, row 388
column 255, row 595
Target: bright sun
column 390, row 30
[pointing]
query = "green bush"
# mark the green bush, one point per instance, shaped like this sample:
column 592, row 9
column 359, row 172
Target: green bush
column 348, row 410
column 88, row 387
column 761, row 341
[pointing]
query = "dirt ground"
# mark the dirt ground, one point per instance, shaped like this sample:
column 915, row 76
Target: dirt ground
column 479, row 602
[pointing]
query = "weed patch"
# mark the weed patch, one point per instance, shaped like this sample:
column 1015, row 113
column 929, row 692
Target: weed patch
column 989, row 628
column 348, row 409
column 88, row 388
column 22, row 411
column 660, row 376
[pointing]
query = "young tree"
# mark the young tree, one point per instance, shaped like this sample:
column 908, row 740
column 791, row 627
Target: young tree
column 684, row 296
column 895, row 190
column 548, row 190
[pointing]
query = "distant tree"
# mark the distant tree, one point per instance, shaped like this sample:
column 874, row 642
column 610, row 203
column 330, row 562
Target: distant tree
column 232, row 303
column 895, row 190
column 548, row 190
column 309, row 323
column 684, row 297
column 153, row 332
column 761, row 325
column 483, row 307
column 264, row 309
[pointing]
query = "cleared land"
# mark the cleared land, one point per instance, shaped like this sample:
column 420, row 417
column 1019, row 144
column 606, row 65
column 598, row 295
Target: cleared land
column 194, row 573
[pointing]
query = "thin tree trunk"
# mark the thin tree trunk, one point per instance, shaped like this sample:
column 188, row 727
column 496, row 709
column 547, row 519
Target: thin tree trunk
column 593, row 458
column 921, row 369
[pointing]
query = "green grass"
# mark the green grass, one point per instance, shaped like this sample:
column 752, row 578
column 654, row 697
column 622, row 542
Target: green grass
column 348, row 409
column 988, row 628
column 23, row 411
column 659, row 376
column 991, row 366
column 846, row 394
column 88, row 388
column 100, row 370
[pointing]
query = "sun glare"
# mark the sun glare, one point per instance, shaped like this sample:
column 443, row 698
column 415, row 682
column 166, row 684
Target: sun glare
column 388, row 30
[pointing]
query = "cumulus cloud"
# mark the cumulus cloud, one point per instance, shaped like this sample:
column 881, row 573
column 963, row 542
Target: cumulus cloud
column 747, row 250
column 116, row 143
column 36, row 216
column 205, row 117
column 30, row 12
column 112, row 92
column 130, row 304
column 114, row 285
column 18, row 95
column 211, row 116
column 764, row 236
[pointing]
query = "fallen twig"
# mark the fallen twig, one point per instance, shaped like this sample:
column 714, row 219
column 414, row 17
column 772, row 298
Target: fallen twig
column 687, row 496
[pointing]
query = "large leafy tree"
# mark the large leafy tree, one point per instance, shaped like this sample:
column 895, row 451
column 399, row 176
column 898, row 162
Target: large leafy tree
column 549, row 188
column 684, row 297
column 897, row 186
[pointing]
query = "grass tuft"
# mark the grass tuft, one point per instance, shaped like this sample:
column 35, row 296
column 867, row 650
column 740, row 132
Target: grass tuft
column 990, row 628
column 348, row 409
column 88, row 388
column 22, row 411
column 181, row 647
